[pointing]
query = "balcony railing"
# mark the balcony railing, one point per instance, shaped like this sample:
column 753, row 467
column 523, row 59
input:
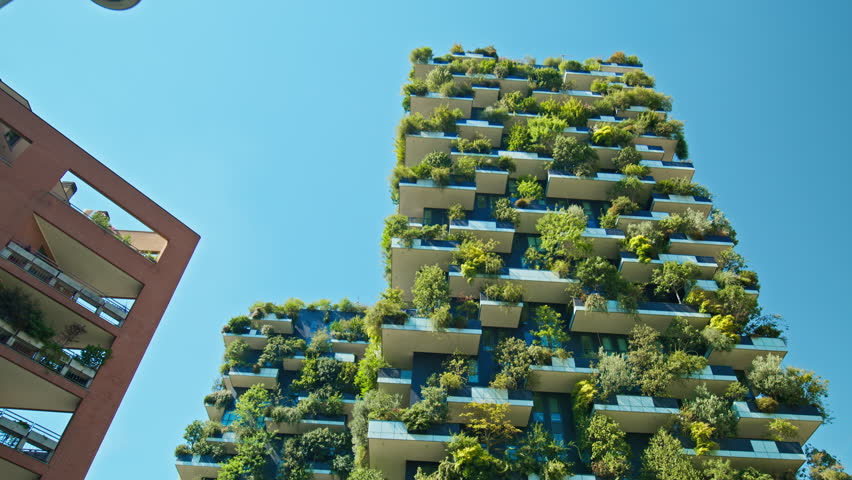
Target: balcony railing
column 77, row 290
column 70, row 365
column 26, row 436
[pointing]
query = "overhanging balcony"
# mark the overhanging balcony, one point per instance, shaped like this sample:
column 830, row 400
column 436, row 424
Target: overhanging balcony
column 708, row 246
column 618, row 67
column 765, row 455
column 636, row 110
column 254, row 339
column 426, row 104
column 472, row 128
column 711, row 286
column 390, row 445
column 615, row 320
column 560, row 376
column 501, row 232
column 308, row 423
column 636, row 271
column 406, row 261
column 491, row 180
column 583, row 80
column 586, row 97
column 396, row 382
column 752, row 423
column 639, row 216
column 743, row 354
column 520, row 403
column 638, row 414
column 245, row 377
column 542, row 286
column 661, row 202
column 354, row 347
column 418, row 145
column 485, row 96
column 527, row 163
column 661, row 170
column 606, row 242
column 493, row 313
column 197, row 467
column 567, row 185
column 717, row 379
column 399, row 342
column 606, row 154
column 415, row 195
column 26, row 436
column 297, row 361
column 667, row 144
column 278, row 325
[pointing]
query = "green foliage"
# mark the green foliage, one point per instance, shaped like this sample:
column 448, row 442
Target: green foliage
column 519, row 139
column 538, row 453
column 544, row 130
column 237, row 354
column 782, row 430
column 366, row 474
column 94, row 356
column 509, row 292
column 712, row 410
column 681, row 186
column 478, row 144
column 664, row 459
column 609, row 136
column 529, row 188
column 515, row 359
column 320, row 445
column 238, row 325
column 517, row 102
column 371, row 405
column 638, row 171
column 456, row 212
column 629, row 186
column 429, row 411
column 476, row 256
column 822, row 466
column 626, row 156
column 573, row 111
column 546, row 79
column 574, row 156
column 23, row 313
column 504, row 211
column 609, row 449
column 571, row 66
column 368, row 368
column 351, row 330
column 638, row 96
column 431, row 289
column 622, row 59
column 292, row 306
column 638, row 78
column 420, row 55
column 701, row 433
column 613, row 374
column 326, row 373
column 597, row 274
column 674, row 277
column 219, row 398
column 551, row 330
column 467, row 461
column 790, row 386
column 562, row 235
column 389, row 307
column 489, row 423
column 642, row 247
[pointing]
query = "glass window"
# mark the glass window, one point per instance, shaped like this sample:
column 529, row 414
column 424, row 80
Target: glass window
column 473, row 371
column 606, row 343
column 587, row 345
column 622, row 344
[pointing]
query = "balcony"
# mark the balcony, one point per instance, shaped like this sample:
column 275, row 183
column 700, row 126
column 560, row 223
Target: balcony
column 418, row 145
column 27, row 437
column 352, row 347
column 520, row 403
column 407, row 261
column 634, row 111
column 396, row 382
column 501, row 232
column 606, row 242
column 584, row 80
column 635, row 271
column 472, row 128
column 254, row 339
column 485, row 96
column 491, row 180
column 765, row 455
column 197, row 467
column 278, row 325
column 711, row 286
column 639, row 216
column 499, row 314
column 661, row 202
column 585, row 97
column 560, row 376
column 708, row 246
column 399, row 342
column 513, row 84
column 717, row 379
column 749, row 348
column 615, row 320
column 618, row 67
column 661, row 170
column 753, row 423
column 606, row 154
column 78, row 291
column 541, row 286
column 638, row 414
column 415, row 195
column 527, row 163
column 245, row 377
column 426, row 104
column 567, row 185
column 667, row 144
column 69, row 365
column 296, row 362
column 390, row 445
column 335, row 423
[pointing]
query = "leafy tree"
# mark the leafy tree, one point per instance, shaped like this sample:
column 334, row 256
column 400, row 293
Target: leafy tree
column 710, row 409
column 790, row 386
column 431, row 289
column 551, row 330
column 477, row 256
column 597, row 274
column 648, row 362
column 609, row 449
column 561, row 234
column 664, row 459
column 429, row 411
column 822, row 466
column 540, row 454
column 489, row 423
column 574, row 156
column 372, row 405
column 674, row 277
column 613, row 374
column 515, row 359
column 529, row 188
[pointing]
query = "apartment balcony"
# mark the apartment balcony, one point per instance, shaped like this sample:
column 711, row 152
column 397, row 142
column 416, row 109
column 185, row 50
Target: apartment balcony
column 618, row 67
column 485, row 96
column 352, row 347
column 197, row 467
column 717, row 379
column 245, row 377
column 662, row 170
column 254, row 339
column 527, row 163
column 309, row 423
column 396, row 382
column 493, row 313
column 562, row 184
column 501, row 232
column 606, row 242
column 214, row 413
column 636, row 271
column 667, row 144
column 615, row 320
column 708, row 246
column 426, row 104
column 228, row 441
column 27, row 437
column 517, row 118
column 278, row 325
column 78, row 291
column 636, row 110
column 520, row 403
column 491, row 180
column 560, row 376
column 711, row 286
column 415, row 195
column 418, row 145
column 661, row 202
column 400, row 341
column 541, row 286
column 296, row 362
column 638, row 414
column 647, row 152
column 37, row 391
column 586, row 97
column 407, row 261
column 391, row 445
column 743, row 354
column 473, row 128
column 513, row 84
column 765, row 455
column 579, row 133
column 583, row 80
column 752, row 423
column 639, row 216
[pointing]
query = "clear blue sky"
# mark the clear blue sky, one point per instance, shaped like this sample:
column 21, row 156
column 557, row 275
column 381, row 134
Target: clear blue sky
column 267, row 127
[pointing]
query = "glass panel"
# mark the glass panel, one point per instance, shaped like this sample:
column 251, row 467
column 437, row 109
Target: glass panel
column 587, row 345
column 622, row 344
column 606, row 342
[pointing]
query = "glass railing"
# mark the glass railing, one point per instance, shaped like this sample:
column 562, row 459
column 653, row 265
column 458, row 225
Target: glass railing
column 69, row 364
column 15, row 429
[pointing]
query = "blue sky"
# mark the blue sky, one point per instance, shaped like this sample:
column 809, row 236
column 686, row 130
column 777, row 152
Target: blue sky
column 267, row 127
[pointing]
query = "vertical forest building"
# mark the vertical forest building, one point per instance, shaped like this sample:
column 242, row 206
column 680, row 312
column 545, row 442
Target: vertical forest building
column 564, row 302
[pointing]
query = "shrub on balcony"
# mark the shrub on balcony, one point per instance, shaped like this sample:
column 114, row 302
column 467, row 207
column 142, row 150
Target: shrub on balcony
column 317, row 446
column 351, row 330
column 389, row 308
column 788, row 386
column 548, row 79
column 372, row 405
column 508, row 292
column 710, row 409
column 663, row 459
column 238, row 325
column 467, row 460
column 572, row 111
column 642, row 247
column 515, row 358
column 237, row 354
column 639, row 96
column 540, row 454
column 196, row 435
column 609, row 136
column 681, row 186
column 429, row 411
column 629, row 186
column 782, row 430
column 529, row 188
column 571, row 66
column 674, row 278
column 504, row 211
column 219, row 399
column 94, row 356
column 456, row 212
column 420, row 55
column 489, row 423
column 562, row 235
column 622, row 59
column 638, row 78
column 607, row 445
column 24, row 314
column 518, row 102
column 551, row 331
column 475, row 256
column 574, row 156
column 544, row 130
column 639, row 171
column 479, row 144
column 431, row 289
column 613, row 374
